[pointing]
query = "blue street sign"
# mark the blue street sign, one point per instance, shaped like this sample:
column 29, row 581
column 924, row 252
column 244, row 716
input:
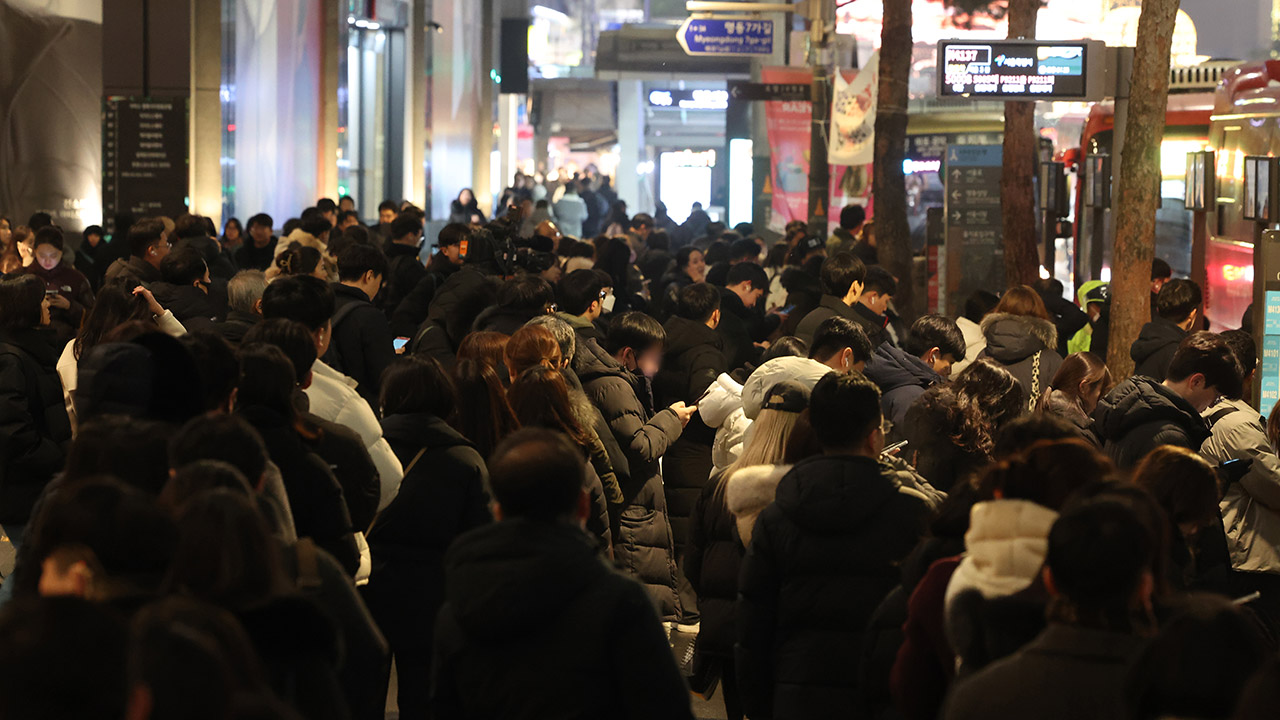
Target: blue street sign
column 726, row 36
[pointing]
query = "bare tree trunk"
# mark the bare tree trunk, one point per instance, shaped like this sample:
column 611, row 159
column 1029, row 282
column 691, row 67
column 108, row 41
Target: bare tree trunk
column 1017, row 201
column 893, row 234
column 1138, row 197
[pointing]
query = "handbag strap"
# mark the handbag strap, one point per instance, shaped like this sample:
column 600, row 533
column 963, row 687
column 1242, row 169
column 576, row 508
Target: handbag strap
column 414, row 461
column 1035, row 382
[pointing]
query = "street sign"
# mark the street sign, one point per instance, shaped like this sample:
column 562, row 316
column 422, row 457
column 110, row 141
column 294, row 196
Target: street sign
column 742, row 90
column 726, row 36
column 1022, row 69
column 975, row 253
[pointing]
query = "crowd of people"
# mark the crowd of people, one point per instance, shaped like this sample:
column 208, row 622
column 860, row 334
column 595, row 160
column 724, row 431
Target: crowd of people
column 577, row 463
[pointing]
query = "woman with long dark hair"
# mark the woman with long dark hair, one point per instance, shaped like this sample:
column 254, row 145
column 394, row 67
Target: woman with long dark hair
column 1074, row 393
column 486, row 417
column 540, row 398
column 34, row 428
column 441, row 497
column 464, row 209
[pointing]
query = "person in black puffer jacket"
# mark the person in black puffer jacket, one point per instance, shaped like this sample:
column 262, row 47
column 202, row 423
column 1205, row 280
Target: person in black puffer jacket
column 361, row 345
column 1177, row 309
column 185, row 289
column 264, row 399
column 1141, row 414
column 442, row 496
column 691, row 362
column 535, row 626
column 617, row 382
column 1021, row 337
column 821, row 559
column 934, row 344
column 34, row 428
column 456, row 304
column 519, row 300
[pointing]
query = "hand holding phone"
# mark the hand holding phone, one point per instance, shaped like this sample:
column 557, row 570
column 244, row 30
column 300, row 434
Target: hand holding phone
column 399, row 344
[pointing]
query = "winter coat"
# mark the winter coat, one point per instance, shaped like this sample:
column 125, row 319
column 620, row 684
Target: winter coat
column 1139, row 415
column 749, row 491
column 802, row 370
column 453, row 311
column 413, row 309
column 71, row 284
column 692, row 362
column 643, row 546
column 1068, row 319
column 1153, row 350
column 1066, row 673
column 901, row 377
column 459, row 213
column 315, row 497
column 343, row 450
column 211, row 250
column 1251, row 506
column 443, row 496
column 237, row 324
column 712, row 561
column 741, row 327
column 188, row 303
column 300, row 653
column 974, row 343
column 1068, row 410
column 1025, row 347
column 821, row 559
column 361, row 345
column 250, row 257
column 536, row 626
column 404, row 271
column 499, row 319
column 34, row 428
column 140, row 270
column 333, row 397
column 721, row 408
column 1005, row 549
column 92, row 262
column 571, row 212
column 925, row 664
column 832, row 306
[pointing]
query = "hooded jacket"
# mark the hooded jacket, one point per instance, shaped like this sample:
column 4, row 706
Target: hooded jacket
column 442, row 497
column 901, row 377
column 1154, row 349
column 139, row 269
column 1139, row 415
column 1025, row 347
column 749, row 491
column 643, row 544
column 535, row 626
column 1006, row 546
column 34, row 428
column 454, row 308
column 821, row 559
column 1251, row 506
column 1068, row 409
column 974, row 343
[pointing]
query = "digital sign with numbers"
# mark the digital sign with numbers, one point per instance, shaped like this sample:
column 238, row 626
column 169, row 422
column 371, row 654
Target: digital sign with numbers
column 1021, row 69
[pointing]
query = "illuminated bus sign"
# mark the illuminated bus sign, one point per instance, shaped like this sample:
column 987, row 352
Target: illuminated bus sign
column 1021, row 69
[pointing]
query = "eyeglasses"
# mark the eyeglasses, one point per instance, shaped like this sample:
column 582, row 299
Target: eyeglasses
column 604, row 294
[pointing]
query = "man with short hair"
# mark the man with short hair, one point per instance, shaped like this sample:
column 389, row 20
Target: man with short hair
column 822, row 557
column 580, row 296
column 362, row 341
column 332, row 395
column 147, row 248
column 933, row 345
column 184, row 289
column 740, row 251
column 244, row 303
column 873, row 304
column 843, row 279
column 348, row 218
column 845, row 236
column 1178, row 309
column 1141, row 414
column 744, row 327
column 345, row 203
column 258, row 253
column 515, row 642
column 404, row 261
column 329, row 209
column 193, row 231
column 616, row 379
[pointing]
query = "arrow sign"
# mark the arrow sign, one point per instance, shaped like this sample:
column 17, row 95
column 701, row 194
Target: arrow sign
column 740, row 90
column 726, row 36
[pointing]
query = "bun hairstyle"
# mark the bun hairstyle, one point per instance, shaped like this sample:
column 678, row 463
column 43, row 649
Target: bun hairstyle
column 298, row 259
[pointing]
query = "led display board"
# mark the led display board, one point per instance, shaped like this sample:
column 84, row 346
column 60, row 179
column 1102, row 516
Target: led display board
column 1021, row 69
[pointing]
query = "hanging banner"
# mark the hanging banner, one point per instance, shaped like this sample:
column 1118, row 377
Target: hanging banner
column 852, row 139
column 789, row 124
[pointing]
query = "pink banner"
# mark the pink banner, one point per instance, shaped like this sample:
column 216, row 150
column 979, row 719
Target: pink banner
column 788, row 125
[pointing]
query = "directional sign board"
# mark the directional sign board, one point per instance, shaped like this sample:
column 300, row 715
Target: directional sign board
column 975, row 252
column 726, row 36
column 1022, row 69
column 793, row 92
column 144, row 156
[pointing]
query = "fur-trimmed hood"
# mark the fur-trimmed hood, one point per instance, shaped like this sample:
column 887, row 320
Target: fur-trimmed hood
column 1014, row 338
column 749, row 491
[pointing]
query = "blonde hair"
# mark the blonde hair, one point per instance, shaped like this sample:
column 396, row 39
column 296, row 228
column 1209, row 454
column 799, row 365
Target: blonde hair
column 767, row 445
